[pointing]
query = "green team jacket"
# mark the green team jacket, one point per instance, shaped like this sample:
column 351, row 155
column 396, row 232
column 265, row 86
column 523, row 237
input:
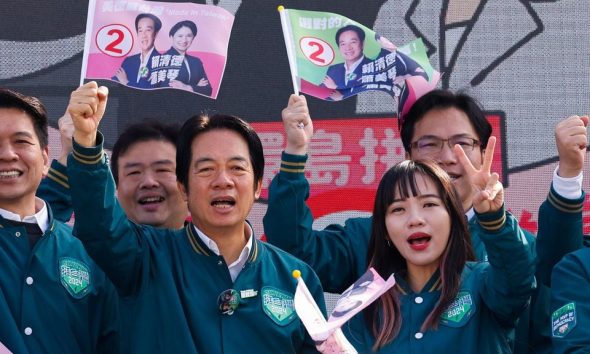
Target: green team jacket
column 173, row 280
column 54, row 298
column 338, row 253
column 55, row 190
column 570, row 303
column 491, row 297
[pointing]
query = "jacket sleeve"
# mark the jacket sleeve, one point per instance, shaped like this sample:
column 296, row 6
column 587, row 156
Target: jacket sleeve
column 509, row 280
column 336, row 253
column 109, row 237
column 408, row 66
column 332, row 73
column 198, row 69
column 55, row 190
column 559, row 233
column 570, row 304
column 125, row 67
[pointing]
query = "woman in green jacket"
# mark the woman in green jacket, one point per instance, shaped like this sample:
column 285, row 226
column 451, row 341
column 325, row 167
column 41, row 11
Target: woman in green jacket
column 442, row 301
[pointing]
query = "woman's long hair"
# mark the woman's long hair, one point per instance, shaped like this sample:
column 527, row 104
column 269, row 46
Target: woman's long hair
column 384, row 316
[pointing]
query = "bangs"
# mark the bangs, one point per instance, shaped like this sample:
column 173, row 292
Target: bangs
column 407, row 186
column 403, row 183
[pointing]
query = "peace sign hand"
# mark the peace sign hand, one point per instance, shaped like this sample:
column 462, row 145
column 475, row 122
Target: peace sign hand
column 488, row 192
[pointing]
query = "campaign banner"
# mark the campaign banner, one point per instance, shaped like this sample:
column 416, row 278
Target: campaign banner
column 156, row 45
column 352, row 301
column 333, row 57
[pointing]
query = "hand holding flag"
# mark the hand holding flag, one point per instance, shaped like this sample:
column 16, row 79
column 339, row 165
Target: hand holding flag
column 328, row 334
column 332, row 58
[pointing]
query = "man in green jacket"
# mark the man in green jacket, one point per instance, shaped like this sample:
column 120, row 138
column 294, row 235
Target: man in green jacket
column 53, row 297
column 146, row 186
column 146, row 182
column 210, row 287
column 436, row 122
column 570, row 303
column 570, row 285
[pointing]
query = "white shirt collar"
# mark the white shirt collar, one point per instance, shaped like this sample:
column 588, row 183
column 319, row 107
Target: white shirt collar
column 40, row 218
column 144, row 60
column 144, row 63
column 352, row 68
column 236, row 267
column 470, row 213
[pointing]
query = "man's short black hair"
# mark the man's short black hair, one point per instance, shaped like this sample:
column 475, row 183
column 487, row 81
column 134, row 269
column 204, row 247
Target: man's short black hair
column 442, row 99
column 198, row 125
column 189, row 24
column 157, row 22
column 32, row 106
column 359, row 31
column 138, row 133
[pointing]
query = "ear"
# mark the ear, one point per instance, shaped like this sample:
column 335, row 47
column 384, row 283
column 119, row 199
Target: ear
column 408, row 155
column 183, row 192
column 45, row 153
column 258, row 189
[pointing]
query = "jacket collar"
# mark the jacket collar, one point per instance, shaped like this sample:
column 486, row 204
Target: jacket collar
column 201, row 248
column 432, row 285
column 5, row 223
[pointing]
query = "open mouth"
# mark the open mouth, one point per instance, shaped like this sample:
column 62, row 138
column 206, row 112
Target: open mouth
column 223, row 203
column 10, row 174
column 150, row 200
column 419, row 241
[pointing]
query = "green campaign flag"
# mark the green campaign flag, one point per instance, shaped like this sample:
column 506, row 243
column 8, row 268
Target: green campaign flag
column 333, row 57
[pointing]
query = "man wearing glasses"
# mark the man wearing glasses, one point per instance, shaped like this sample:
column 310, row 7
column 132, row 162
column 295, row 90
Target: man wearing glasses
column 436, row 122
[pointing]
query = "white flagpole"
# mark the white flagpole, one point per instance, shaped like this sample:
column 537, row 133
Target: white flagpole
column 87, row 39
column 287, row 35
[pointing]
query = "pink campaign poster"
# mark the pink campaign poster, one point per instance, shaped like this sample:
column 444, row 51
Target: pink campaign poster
column 156, row 45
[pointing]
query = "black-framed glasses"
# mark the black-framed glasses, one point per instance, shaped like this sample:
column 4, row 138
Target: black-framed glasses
column 228, row 301
column 430, row 145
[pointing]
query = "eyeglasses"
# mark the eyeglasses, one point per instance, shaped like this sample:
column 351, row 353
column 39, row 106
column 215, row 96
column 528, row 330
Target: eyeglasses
column 432, row 145
column 228, row 301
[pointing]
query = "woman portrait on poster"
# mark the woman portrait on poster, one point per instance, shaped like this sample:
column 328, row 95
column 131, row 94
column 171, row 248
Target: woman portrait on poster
column 185, row 71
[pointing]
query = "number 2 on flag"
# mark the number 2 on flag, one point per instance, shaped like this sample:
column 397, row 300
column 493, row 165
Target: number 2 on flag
column 317, row 51
column 114, row 40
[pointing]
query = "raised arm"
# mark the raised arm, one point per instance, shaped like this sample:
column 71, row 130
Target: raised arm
column 55, row 187
column 560, row 215
column 510, row 281
column 100, row 223
column 337, row 253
